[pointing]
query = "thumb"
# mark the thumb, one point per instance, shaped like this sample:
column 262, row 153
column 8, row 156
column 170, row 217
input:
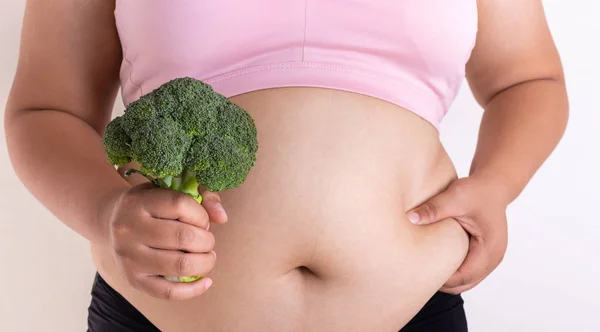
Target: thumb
column 437, row 208
column 212, row 204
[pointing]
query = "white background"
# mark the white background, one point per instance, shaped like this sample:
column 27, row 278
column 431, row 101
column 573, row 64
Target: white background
column 549, row 280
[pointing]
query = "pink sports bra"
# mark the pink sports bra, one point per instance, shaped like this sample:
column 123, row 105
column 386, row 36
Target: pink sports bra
column 408, row 52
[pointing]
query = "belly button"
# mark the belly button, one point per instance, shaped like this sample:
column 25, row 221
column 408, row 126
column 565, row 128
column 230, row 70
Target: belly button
column 305, row 271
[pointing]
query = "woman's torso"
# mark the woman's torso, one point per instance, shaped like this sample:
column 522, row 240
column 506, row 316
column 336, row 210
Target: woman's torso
column 334, row 175
column 317, row 237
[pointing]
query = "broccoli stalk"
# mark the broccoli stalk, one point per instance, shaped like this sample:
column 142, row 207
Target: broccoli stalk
column 185, row 182
column 184, row 134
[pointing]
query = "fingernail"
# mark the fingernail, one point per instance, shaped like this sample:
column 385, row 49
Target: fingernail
column 207, row 283
column 414, row 217
column 221, row 210
column 214, row 253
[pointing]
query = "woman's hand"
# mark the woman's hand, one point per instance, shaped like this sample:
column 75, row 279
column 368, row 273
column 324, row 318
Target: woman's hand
column 158, row 232
column 482, row 213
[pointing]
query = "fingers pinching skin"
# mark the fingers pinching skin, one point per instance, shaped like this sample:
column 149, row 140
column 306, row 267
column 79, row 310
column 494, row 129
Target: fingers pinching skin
column 442, row 206
column 475, row 264
column 483, row 258
column 482, row 214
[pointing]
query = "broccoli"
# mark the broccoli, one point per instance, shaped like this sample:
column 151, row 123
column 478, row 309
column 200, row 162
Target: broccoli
column 183, row 134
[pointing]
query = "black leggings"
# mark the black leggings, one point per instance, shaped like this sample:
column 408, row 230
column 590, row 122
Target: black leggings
column 110, row 312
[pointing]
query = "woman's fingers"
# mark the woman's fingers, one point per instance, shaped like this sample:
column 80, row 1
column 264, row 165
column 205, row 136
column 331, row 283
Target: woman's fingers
column 176, row 235
column 170, row 204
column 158, row 287
column 469, row 274
column 174, row 263
column 460, row 289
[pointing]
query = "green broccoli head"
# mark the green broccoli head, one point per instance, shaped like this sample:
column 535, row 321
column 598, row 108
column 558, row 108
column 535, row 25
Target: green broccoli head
column 181, row 129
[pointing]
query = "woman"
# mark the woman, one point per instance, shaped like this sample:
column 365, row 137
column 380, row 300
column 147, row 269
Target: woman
column 347, row 98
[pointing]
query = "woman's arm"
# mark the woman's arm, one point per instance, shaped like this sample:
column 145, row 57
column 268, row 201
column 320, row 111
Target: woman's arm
column 61, row 100
column 516, row 75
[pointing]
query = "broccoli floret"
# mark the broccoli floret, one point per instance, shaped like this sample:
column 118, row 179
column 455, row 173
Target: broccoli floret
column 185, row 129
column 160, row 148
column 119, row 150
column 216, row 169
column 184, row 134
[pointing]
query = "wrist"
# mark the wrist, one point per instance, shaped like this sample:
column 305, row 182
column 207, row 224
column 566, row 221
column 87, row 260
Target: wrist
column 498, row 186
column 105, row 207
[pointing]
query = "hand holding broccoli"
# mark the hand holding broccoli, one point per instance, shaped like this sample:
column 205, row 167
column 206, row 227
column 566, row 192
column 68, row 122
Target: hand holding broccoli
column 182, row 134
column 160, row 232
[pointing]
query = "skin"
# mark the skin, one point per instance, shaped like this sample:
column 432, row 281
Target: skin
column 298, row 259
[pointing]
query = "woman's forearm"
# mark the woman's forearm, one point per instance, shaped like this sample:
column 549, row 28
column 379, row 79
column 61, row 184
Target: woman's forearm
column 520, row 128
column 61, row 161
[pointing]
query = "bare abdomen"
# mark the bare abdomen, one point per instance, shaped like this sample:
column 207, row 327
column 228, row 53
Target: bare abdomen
column 317, row 238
